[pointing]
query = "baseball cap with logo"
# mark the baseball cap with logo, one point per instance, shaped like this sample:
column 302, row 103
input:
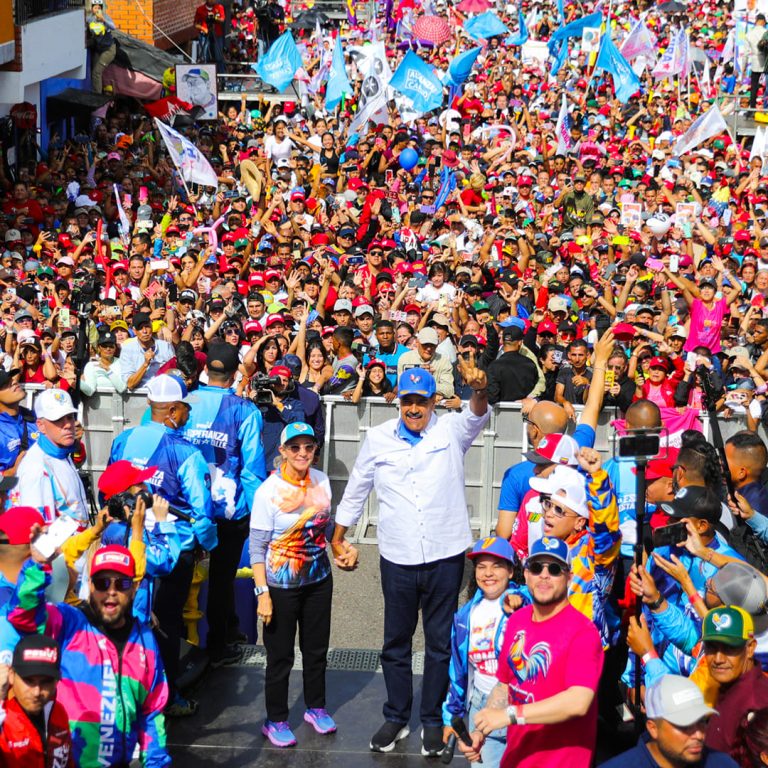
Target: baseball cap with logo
column 37, row 656
column 428, row 336
column 496, row 546
column 168, row 389
column 121, row 475
column 676, row 699
column 343, row 305
column 416, row 381
column 54, row 404
column 730, row 625
column 566, row 486
column 694, row 501
column 115, row 558
column 549, row 546
column 297, row 429
column 555, row 449
column 557, row 304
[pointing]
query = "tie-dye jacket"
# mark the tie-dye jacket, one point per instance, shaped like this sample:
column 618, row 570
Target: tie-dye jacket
column 593, row 554
column 114, row 697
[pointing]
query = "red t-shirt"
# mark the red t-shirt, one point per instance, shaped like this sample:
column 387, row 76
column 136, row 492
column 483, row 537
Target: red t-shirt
column 201, row 18
column 539, row 660
column 29, row 208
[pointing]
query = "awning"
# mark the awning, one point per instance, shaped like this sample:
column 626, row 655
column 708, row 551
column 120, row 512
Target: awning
column 74, row 103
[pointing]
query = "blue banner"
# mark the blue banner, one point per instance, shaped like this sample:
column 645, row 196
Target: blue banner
column 280, row 63
column 625, row 81
column 522, row 33
column 461, row 66
column 338, row 82
column 415, row 79
column 485, row 26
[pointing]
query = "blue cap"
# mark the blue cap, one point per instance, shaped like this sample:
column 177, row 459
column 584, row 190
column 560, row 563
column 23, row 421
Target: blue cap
column 416, row 381
column 495, row 546
column 551, row 547
column 513, row 322
column 293, row 362
column 297, row 429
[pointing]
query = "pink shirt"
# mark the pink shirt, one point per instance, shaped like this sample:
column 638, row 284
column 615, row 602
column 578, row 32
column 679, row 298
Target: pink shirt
column 705, row 325
column 539, row 660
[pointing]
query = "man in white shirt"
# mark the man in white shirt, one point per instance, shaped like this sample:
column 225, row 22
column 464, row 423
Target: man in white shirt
column 141, row 358
column 416, row 466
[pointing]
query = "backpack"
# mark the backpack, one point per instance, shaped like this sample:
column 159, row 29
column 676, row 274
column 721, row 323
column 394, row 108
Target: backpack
column 744, row 540
column 762, row 45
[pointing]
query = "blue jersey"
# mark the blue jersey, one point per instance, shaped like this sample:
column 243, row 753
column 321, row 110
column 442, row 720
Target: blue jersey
column 182, row 477
column 515, row 483
column 390, row 361
column 227, row 430
column 12, row 436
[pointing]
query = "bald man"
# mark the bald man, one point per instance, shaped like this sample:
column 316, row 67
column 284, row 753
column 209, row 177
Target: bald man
column 548, row 418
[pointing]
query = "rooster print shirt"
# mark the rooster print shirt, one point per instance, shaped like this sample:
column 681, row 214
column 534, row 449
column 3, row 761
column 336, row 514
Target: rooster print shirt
column 538, row 660
column 299, row 518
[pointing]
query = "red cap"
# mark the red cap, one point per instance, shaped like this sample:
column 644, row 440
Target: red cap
column 658, row 362
column 16, row 523
column 321, row 238
column 742, row 236
column 661, row 467
column 525, row 181
column 272, row 274
column 274, row 319
column 328, row 330
column 252, row 326
column 547, row 326
column 281, row 370
column 412, row 308
column 228, row 237
column 113, row 558
column 419, row 266
column 257, row 278
column 116, row 265
column 376, row 362
column 121, row 475
column 624, row 331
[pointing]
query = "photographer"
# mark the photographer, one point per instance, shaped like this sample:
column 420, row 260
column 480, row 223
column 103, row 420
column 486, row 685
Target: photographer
column 285, row 408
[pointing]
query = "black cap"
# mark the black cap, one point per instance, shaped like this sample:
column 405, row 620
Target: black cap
column 188, row 295
column 7, row 376
column 512, row 333
column 695, row 501
column 222, row 358
column 107, row 337
column 710, row 281
column 468, row 340
column 507, row 276
column 141, row 318
column 37, row 655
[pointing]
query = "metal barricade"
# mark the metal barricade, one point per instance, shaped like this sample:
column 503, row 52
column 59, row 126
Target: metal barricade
column 501, row 444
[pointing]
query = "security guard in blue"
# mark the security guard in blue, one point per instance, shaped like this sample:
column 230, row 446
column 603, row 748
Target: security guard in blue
column 183, row 479
column 227, row 430
column 18, row 429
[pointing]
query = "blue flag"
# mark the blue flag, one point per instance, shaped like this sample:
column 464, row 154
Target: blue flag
column 574, row 29
column 338, row 82
column 280, row 63
column 415, row 79
column 560, row 12
column 485, row 26
column 625, row 81
column 559, row 54
column 461, row 66
column 522, row 34
column 447, row 185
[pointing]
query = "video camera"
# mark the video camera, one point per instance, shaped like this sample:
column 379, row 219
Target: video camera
column 264, row 386
column 117, row 504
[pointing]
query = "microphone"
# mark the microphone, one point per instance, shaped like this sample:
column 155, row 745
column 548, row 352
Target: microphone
column 187, row 518
column 448, row 750
column 458, row 725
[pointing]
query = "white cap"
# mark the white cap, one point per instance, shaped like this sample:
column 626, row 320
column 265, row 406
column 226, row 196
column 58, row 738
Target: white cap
column 428, row 336
column 680, row 331
column 677, row 700
column 565, row 485
column 168, row 389
column 53, row 404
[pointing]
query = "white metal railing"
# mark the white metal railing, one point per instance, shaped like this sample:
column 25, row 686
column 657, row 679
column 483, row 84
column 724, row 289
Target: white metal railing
column 106, row 414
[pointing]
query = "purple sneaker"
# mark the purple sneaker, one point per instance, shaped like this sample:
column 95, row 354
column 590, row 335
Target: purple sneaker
column 280, row 734
column 320, row 720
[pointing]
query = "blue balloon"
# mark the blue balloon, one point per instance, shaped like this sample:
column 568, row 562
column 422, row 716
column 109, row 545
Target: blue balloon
column 408, row 158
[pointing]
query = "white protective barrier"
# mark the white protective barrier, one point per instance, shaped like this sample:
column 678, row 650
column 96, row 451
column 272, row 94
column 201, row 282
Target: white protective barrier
column 502, row 443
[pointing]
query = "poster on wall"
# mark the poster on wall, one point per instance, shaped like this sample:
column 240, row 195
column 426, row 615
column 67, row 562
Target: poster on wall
column 196, row 84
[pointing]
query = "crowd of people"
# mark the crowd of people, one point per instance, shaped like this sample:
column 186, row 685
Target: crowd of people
column 542, row 238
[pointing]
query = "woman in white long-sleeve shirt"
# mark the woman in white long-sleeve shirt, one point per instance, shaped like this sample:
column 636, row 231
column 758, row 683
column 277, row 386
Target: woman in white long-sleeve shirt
column 105, row 372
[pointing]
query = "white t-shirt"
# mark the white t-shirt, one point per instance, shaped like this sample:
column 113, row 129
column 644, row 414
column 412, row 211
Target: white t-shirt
column 278, row 150
column 484, row 620
column 430, row 293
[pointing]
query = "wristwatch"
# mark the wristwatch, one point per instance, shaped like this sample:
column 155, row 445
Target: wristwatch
column 512, row 715
column 260, row 590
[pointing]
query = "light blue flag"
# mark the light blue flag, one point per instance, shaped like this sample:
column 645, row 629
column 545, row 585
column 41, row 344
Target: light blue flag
column 574, row 29
column 338, row 82
column 560, row 12
column 447, row 185
column 559, row 54
column 625, row 81
column 522, row 33
column 485, row 25
column 461, row 66
column 280, row 63
column 415, row 79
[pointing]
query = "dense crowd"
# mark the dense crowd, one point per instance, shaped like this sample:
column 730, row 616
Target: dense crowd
column 546, row 237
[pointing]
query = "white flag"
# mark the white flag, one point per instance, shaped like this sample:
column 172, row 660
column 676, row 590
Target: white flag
column 760, row 145
column 669, row 62
column 710, row 124
column 125, row 225
column 372, row 64
column 188, row 159
column 562, row 129
column 639, row 41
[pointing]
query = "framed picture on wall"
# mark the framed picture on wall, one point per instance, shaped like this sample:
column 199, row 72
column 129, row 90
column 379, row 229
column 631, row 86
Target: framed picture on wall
column 196, row 84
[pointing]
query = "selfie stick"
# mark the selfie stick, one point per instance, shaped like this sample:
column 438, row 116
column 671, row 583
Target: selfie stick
column 640, row 487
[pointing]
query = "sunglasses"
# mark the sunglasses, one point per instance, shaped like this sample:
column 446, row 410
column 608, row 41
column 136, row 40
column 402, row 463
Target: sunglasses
column 376, row 253
column 304, row 448
column 104, row 583
column 557, row 510
column 553, row 569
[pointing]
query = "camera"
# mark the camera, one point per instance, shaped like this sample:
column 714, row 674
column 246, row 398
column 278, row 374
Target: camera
column 116, row 504
column 264, row 386
column 640, row 444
